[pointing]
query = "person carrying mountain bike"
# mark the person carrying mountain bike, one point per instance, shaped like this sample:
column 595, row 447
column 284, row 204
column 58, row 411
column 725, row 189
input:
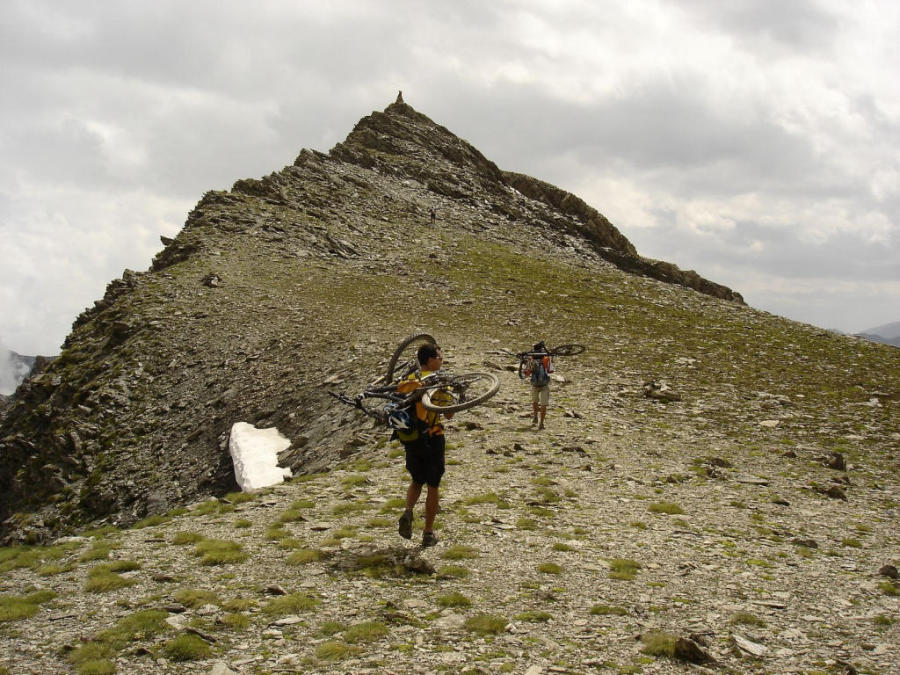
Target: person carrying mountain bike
column 424, row 445
column 538, row 369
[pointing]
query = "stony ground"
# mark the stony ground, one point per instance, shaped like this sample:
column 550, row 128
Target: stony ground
column 590, row 546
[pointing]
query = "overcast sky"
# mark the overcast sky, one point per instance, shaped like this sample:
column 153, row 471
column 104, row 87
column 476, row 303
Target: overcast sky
column 755, row 141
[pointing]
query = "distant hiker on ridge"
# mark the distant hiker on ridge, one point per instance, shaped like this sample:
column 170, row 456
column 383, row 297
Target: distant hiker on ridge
column 538, row 369
column 433, row 214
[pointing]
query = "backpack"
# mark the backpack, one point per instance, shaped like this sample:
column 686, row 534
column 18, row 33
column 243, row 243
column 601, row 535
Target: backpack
column 414, row 430
column 408, row 427
column 540, row 377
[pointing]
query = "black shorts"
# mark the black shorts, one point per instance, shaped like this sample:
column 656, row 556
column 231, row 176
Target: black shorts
column 425, row 459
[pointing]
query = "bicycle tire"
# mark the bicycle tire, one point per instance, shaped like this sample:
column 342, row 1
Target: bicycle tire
column 462, row 383
column 567, row 350
column 404, row 362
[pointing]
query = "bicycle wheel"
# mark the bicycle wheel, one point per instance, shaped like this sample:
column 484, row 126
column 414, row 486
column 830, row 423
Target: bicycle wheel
column 403, row 360
column 464, row 392
column 567, row 350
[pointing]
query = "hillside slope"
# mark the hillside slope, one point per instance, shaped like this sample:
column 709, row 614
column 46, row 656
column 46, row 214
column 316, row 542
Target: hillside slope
column 758, row 510
column 724, row 519
column 269, row 289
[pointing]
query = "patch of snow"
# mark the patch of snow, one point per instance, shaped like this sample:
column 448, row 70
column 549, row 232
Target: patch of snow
column 255, row 455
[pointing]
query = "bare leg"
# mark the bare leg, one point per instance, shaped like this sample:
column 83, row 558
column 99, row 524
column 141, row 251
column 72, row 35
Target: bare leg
column 412, row 495
column 543, row 414
column 431, row 507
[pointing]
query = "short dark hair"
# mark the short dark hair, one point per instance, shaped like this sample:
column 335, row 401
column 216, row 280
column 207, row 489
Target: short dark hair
column 426, row 351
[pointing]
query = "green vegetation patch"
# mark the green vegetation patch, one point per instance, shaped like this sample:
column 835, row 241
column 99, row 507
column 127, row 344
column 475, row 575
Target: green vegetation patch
column 368, row 631
column 459, row 552
column 290, row 604
column 453, row 572
column 151, row 521
column 219, row 552
column 659, row 644
column 187, row 647
column 93, row 658
column 549, row 568
column 747, row 619
column 235, row 620
column 239, row 497
column 334, row 650
column 99, row 551
column 608, row 610
column 487, row 498
column 182, row 538
column 32, row 557
column 348, row 508
column 103, row 578
column 303, row 556
column 330, row 628
column 17, row 607
column 623, row 569
column 455, row 599
column 485, row 624
column 195, row 597
column 889, row 588
column 141, row 625
column 668, row 508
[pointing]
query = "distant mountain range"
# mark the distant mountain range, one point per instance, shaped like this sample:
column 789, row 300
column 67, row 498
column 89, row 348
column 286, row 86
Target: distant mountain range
column 888, row 334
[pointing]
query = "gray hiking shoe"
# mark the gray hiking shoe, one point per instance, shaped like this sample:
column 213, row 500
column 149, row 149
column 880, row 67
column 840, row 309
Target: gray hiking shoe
column 404, row 527
column 428, row 539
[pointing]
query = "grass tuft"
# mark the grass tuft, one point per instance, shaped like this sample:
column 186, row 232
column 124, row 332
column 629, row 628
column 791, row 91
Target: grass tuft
column 668, row 508
column 623, row 569
column 303, row 556
column 455, row 599
column 747, row 619
column 290, row 604
column 608, row 610
column 187, row 647
column 195, row 597
column 219, row 552
column 459, row 552
column 334, row 650
column 368, row 631
column 485, row 624
column 659, row 644
column 534, row 616
column 453, row 572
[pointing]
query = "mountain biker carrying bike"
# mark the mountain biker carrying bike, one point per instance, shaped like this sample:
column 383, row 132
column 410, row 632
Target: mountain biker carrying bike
column 424, row 445
column 538, row 369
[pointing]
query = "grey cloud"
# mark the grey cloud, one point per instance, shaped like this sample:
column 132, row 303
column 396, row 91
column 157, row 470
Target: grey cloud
column 800, row 25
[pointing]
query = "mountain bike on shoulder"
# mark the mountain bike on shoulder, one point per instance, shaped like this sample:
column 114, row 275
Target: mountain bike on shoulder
column 440, row 391
column 560, row 350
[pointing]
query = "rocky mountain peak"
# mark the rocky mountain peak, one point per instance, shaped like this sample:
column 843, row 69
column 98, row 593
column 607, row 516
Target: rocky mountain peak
column 309, row 274
column 406, row 143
